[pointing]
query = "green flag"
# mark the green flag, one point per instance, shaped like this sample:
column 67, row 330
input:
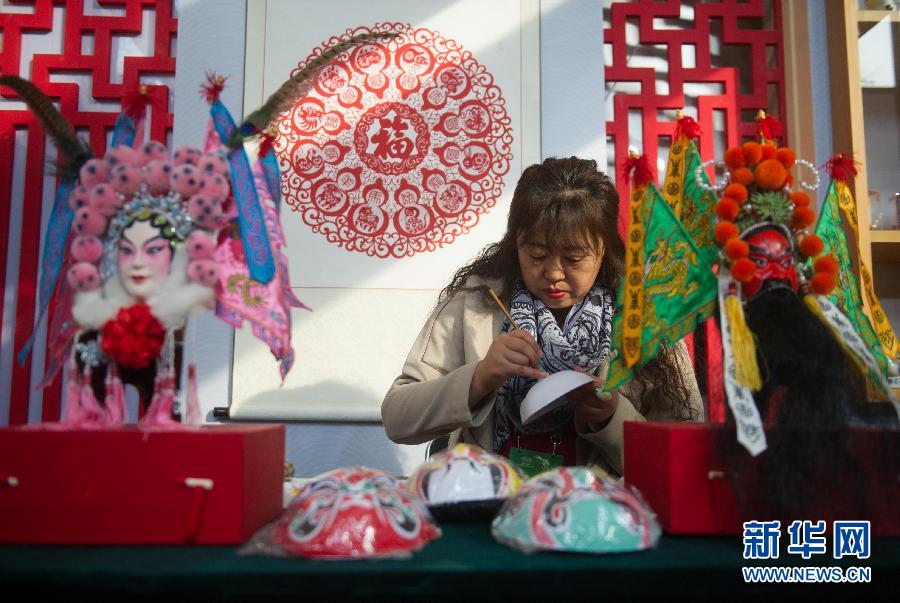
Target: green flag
column 846, row 296
column 680, row 289
column 697, row 208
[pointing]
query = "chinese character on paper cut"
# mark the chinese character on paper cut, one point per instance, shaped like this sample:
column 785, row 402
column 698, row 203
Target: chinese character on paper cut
column 807, row 538
column 851, row 539
column 761, row 539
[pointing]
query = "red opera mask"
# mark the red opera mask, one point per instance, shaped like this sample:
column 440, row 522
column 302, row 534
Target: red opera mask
column 770, row 250
column 354, row 512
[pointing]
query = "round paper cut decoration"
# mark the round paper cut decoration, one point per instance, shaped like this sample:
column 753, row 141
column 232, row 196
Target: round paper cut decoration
column 464, row 482
column 354, row 512
column 576, row 509
column 400, row 146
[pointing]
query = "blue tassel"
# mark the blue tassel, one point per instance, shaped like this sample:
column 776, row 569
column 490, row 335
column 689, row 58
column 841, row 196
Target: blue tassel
column 55, row 238
column 250, row 217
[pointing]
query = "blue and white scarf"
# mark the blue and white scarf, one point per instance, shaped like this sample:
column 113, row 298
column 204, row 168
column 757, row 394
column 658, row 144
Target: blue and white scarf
column 583, row 341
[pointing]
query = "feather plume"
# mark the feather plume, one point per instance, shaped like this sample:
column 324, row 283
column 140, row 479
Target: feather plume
column 74, row 151
column 291, row 90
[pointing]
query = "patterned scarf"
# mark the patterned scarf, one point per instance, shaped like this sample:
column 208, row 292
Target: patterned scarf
column 583, row 341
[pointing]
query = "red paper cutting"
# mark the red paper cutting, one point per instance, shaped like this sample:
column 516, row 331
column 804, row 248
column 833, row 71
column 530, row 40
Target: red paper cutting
column 399, row 148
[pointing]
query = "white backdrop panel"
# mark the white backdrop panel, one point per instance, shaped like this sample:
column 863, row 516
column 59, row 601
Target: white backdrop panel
column 368, row 310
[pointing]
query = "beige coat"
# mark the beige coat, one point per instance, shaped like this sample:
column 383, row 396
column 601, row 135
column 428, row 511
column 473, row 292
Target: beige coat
column 430, row 398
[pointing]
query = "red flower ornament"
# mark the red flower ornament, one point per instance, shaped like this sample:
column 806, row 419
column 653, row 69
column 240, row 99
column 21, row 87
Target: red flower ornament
column 134, row 338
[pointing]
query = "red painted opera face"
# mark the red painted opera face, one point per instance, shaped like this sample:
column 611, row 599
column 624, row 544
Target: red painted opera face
column 771, row 251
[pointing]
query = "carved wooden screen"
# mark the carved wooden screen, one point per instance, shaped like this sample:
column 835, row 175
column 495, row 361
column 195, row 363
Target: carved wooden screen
column 86, row 54
column 718, row 61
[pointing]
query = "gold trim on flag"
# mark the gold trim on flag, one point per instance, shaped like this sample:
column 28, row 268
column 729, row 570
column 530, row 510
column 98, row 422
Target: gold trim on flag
column 673, row 188
column 634, row 279
column 879, row 319
column 871, row 305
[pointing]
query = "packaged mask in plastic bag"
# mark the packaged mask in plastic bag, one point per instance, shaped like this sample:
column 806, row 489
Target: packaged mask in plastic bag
column 465, row 482
column 348, row 513
column 576, row 509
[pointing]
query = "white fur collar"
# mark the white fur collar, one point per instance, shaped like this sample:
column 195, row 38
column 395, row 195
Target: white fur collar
column 171, row 304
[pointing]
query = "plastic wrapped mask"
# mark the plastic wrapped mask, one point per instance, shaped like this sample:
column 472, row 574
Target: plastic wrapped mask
column 576, row 509
column 354, row 512
column 464, row 478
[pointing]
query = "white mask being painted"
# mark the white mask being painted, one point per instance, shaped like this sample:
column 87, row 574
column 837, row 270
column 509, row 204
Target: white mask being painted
column 144, row 259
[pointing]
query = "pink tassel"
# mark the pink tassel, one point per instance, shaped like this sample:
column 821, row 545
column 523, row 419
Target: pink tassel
column 91, row 414
column 135, row 104
column 211, row 142
column 72, row 411
column 160, row 412
column 193, row 414
column 114, row 399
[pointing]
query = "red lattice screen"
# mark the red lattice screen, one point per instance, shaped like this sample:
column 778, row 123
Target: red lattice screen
column 89, row 35
column 731, row 50
column 733, row 45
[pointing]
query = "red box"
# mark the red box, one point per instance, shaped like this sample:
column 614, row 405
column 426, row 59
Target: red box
column 673, row 466
column 208, row 485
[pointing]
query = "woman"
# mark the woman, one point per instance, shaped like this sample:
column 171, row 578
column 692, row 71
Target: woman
column 558, row 268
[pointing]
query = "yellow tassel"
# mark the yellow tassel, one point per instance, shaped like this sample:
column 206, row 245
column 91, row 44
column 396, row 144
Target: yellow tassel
column 743, row 345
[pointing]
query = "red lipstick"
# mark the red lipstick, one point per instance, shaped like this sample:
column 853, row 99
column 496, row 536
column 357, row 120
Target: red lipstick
column 554, row 293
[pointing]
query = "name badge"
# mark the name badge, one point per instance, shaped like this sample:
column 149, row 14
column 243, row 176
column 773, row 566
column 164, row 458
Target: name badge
column 532, row 462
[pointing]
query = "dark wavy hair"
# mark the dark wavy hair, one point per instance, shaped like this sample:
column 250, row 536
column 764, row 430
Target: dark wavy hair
column 570, row 201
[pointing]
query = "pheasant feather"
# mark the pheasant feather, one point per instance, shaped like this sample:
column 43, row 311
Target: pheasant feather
column 74, row 151
column 291, row 90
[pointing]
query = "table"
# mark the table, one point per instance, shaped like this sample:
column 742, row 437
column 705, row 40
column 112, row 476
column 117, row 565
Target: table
column 464, row 563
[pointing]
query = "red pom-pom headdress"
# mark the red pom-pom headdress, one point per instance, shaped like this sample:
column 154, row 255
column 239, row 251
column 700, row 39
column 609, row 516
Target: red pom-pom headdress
column 758, row 190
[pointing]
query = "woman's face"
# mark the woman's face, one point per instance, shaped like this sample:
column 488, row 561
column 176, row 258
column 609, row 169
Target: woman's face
column 144, row 259
column 559, row 280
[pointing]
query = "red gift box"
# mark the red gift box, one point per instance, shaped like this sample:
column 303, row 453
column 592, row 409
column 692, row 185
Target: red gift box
column 675, row 468
column 207, row 485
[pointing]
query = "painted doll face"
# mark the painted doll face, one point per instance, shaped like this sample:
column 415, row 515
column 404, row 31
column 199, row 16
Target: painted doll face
column 771, row 251
column 144, row 259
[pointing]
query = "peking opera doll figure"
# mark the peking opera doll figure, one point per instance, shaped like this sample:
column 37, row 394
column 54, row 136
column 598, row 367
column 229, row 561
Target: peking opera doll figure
column 149, row 238
column 157, row 267
column 799, row 378
column 145, row 238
